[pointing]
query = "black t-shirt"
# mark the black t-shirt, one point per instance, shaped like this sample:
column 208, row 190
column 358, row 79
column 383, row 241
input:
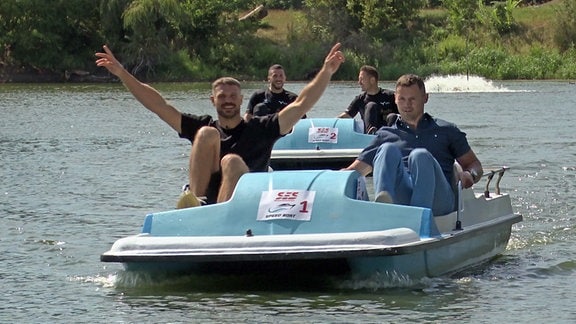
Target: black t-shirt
column 252, row 140
column 269, row 102
column 384, row 98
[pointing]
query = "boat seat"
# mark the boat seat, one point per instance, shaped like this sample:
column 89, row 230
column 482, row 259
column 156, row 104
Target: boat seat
column 347, row 183
column 358, row 125
column 349, row 134
column 339, row 205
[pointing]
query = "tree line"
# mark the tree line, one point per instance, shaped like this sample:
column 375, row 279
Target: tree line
column 199, row 40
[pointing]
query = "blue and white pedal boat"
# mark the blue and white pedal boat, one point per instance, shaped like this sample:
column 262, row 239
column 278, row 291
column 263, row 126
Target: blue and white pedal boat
column 318, row 222
column 320, row 143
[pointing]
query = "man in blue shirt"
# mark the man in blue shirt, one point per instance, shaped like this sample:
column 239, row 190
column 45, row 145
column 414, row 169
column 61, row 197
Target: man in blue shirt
column 412, row 160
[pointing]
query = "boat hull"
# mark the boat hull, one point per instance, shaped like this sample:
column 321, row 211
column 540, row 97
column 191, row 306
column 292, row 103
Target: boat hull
column 344, row 235
column 450, row 254
column 417, row 258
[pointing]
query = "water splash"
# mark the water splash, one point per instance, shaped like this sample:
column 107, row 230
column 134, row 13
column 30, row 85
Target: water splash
column 461, row 83
column 388, row 279
column 105, row 281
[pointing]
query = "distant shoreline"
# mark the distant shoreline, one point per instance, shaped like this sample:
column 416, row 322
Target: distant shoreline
column 87, row 77
column 52, row 77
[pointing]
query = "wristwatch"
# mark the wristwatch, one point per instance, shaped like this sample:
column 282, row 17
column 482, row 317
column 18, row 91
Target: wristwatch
column 474, row 175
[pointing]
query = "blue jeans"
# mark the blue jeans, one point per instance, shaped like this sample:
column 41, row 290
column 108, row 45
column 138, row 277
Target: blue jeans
column 423, row 184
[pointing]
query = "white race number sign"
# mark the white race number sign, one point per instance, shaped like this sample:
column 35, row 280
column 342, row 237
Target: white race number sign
column 286, row 204
column 322, row 135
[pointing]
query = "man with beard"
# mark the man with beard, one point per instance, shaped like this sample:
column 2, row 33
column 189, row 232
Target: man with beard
column 272, row 99
column 226, row 148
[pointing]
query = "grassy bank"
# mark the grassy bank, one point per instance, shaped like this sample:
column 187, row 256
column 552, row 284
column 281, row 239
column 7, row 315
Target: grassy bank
column 536, row 25
column 529, row 52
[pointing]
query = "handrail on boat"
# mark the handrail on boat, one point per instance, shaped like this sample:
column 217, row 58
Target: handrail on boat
column 490, row 176
column 458, row 225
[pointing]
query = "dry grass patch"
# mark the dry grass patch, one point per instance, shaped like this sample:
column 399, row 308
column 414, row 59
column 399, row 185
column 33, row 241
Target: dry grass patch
column 279, row 23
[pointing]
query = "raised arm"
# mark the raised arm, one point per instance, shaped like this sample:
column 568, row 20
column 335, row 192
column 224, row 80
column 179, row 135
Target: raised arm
column 148, row 96
column 290, row 115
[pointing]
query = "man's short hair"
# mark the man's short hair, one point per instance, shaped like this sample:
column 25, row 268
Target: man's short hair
column 276, row 67
column 226, row 81
column 408, row 80
column 370, row 70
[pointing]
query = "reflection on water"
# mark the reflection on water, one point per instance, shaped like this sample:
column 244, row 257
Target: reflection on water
column 309, row 304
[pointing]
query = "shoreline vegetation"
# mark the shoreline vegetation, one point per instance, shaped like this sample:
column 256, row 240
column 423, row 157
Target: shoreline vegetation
column 505, row 40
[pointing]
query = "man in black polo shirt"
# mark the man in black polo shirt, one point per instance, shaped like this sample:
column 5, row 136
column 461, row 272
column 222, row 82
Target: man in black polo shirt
column 374, row 103
column 272, row 99
column 226, row 148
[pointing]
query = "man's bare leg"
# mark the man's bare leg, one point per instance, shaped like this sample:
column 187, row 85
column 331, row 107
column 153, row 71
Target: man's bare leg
column 233, row 167
column 204, row 159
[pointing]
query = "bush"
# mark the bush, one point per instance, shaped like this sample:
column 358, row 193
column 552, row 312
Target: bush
column 180, row 66
column 452, row 47
column 565, row 27
column 568, row 68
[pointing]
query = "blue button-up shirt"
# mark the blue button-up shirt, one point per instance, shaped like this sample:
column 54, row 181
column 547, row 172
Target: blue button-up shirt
column 441, row 138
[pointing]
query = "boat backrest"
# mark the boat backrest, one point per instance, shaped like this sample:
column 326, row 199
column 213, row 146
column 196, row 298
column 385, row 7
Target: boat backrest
column 338, row 206
column 349, row 136
column 358, row 125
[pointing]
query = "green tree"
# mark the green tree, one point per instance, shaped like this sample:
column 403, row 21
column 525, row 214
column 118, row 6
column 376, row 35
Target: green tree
column 48, row 34
column 370, row 30
column 498, row 16
column 565, row 27
column 462, row 14
column 381, row 18
column 150, row 26
column 158, row 32
column 111, row 19
column 376, row 19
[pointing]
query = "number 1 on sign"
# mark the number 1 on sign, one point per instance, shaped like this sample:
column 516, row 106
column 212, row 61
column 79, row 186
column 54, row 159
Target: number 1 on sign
column 304, row 205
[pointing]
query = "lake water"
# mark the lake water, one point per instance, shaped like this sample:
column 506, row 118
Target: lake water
column 82, row 165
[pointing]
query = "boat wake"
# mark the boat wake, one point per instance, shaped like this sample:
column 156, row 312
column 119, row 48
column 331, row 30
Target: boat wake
column 462, row 83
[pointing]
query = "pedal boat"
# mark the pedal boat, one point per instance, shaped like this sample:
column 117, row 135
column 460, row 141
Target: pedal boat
column 320, row 143
column 319, row 222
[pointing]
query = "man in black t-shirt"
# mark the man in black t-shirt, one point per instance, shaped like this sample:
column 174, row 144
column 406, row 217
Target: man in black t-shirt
column 251, row 140
column 374, row 103
column 272, row 99
column 226, row 148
